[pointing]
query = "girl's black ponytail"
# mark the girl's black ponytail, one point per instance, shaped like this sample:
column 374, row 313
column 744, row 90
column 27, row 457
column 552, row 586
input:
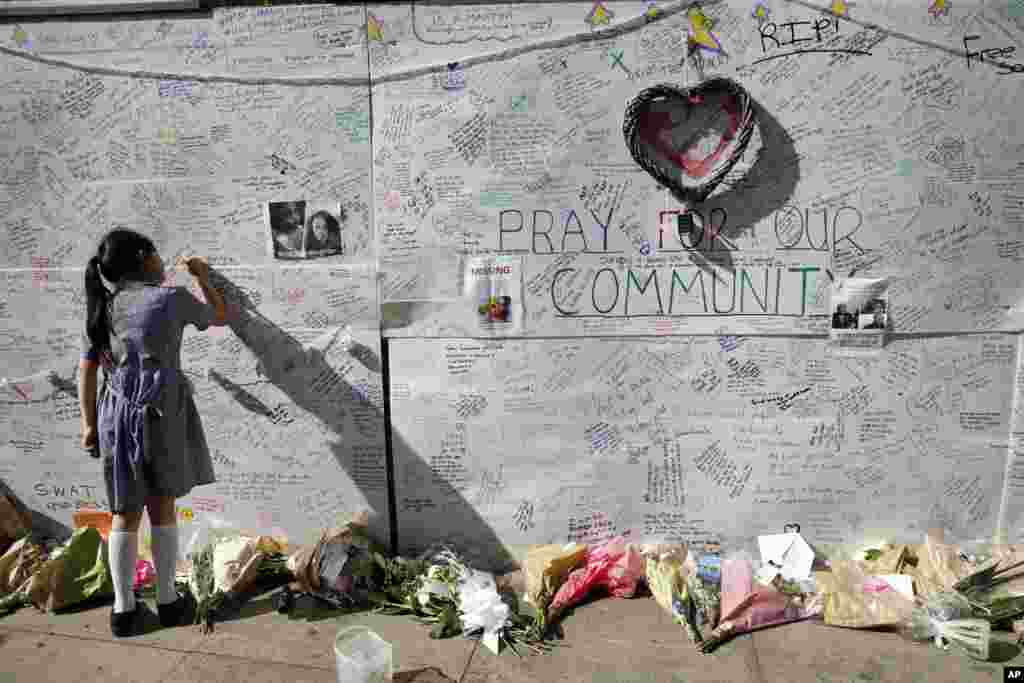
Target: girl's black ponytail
column 96, row 295
column 120, row 256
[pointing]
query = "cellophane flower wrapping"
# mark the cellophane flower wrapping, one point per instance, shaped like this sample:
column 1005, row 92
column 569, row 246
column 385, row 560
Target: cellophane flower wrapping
column 13, row 523
column 749, row 605
column 145, row 574
column 703, row 603
column 666, row 577
column 18, row 566
column 614, row 564
column 74, row 573
column 226, row 562
column 851, row 598
column 546, row 569
column 939, row 565
column 947, row 618
column 481, row 608
column 19, row 563
column 340, row 568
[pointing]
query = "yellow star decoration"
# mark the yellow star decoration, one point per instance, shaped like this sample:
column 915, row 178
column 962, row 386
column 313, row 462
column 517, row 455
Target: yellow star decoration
column 700, row 30
column 760, row 11
column 20, row 37
column 374, row 29
column 839, row 8
column 651, row 12
column 599, row 15
column 939, row 8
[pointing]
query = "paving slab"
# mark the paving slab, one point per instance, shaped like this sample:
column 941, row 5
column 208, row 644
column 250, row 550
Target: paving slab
column 306, row 638
column 93, row 622
column 202, row 668
column 810, row 652
column 216, row 668
column 32, row 656
column 606, row 641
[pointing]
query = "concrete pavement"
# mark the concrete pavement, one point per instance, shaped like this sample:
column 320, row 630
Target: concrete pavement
column 606, row 641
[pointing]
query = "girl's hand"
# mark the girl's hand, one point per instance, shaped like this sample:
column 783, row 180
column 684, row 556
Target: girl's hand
column 196, row 266
column 90, row 438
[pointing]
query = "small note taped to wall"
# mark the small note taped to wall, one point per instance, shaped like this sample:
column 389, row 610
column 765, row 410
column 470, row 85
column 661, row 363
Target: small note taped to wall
column 168, row 136
column 494, row 286
column 455, row 77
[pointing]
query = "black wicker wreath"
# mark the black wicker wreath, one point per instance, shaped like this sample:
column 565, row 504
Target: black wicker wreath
column 690, row 179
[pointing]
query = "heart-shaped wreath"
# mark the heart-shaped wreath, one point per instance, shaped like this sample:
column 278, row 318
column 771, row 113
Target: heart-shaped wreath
column 689, row 138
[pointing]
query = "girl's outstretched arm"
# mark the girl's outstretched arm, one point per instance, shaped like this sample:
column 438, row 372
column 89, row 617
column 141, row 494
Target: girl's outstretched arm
column 198, row 268
column 215, row 299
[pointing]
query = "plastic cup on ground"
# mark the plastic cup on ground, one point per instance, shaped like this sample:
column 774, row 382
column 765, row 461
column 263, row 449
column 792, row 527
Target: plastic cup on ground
column 362, row 656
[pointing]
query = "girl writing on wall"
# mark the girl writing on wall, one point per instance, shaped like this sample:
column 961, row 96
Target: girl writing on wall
column 143, row 423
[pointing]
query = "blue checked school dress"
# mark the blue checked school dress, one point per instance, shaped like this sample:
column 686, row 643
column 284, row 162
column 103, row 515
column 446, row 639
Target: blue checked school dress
column 151, row 438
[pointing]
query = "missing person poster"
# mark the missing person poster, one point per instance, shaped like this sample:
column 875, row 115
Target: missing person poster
column 494, row 287
column 860, row 315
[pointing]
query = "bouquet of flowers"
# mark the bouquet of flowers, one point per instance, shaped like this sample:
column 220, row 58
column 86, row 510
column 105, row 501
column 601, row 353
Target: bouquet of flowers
column 747, row 605
column 443, row 592
column 17, row 566
column 666, row 575
column 13, row 523
column 614, row 565
column 145, row 575
column 54, row 576
column 339, row 568
column 996, row 594
column 702, row 606
column 226, row 567
column 947, row 619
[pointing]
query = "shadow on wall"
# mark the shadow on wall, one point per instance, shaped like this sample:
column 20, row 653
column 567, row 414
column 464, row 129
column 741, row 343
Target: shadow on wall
column 42, row 525
column 399, row 314
column 292, row 368
column 766, row 187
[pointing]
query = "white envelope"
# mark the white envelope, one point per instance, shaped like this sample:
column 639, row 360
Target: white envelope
column 789, row 554
column 901, row 583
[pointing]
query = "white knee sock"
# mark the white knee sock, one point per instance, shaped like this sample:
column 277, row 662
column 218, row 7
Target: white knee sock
column 123, row 547
column 165, row 561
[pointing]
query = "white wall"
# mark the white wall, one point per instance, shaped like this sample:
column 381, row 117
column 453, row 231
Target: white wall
column 909, row 152
column 668, row 420
column 294, row 417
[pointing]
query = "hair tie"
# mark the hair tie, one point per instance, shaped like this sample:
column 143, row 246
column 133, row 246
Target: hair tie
column 97, row 261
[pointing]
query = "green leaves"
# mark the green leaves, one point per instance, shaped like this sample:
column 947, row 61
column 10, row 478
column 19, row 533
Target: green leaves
column 980, row 590
column 14, row 602
column 97, row 581
column 209, row 599
column 400, row 595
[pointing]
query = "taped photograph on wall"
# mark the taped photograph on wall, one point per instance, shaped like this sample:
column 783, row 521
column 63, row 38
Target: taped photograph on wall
column 306, row 229
column 860, row 315
column 494, row 286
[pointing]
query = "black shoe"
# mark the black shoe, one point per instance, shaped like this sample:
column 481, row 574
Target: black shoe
column 126, row 624
column 178, row 613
